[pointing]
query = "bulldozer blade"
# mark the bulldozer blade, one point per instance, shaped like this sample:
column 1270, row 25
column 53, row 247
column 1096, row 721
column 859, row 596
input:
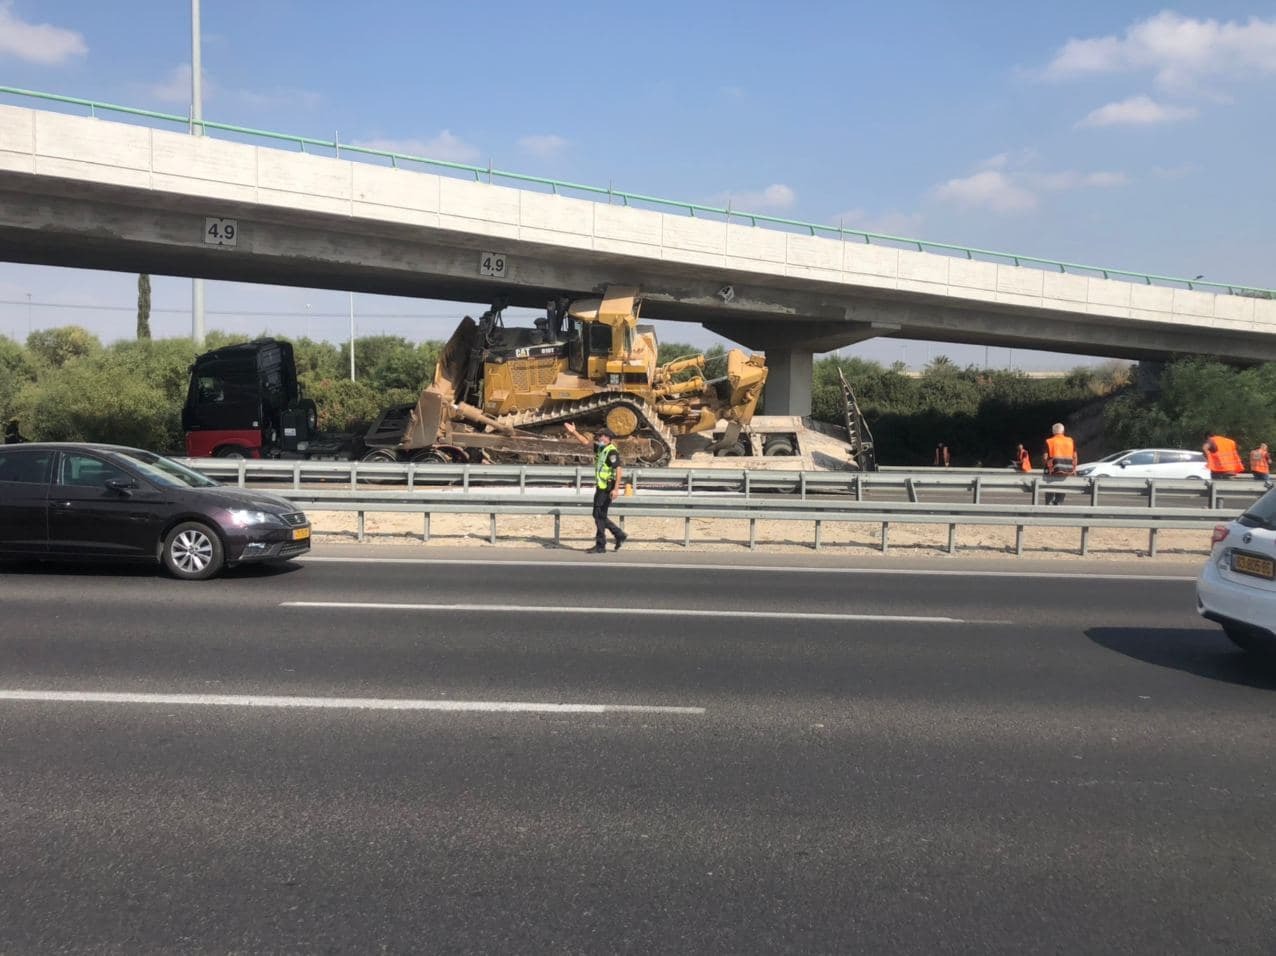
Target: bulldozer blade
column 427, row 420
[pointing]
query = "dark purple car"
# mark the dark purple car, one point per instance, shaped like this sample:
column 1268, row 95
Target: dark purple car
column 103, row 502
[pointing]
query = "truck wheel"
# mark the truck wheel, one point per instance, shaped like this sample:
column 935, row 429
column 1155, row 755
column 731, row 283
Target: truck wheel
column 381, row 455
column 230, row 451
column 431, row 458
column 193, row 552
column 778, row 445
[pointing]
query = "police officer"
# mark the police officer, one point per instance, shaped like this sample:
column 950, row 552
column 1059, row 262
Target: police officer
column 606, row 486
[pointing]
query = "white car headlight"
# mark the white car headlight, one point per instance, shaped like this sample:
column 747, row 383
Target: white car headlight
column 243, row 519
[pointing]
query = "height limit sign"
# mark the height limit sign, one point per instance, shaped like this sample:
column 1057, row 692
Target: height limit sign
column 492, row 264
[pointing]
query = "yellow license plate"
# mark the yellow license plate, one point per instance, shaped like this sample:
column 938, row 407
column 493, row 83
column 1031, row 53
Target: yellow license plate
column 300, row 534
column 1258, row 567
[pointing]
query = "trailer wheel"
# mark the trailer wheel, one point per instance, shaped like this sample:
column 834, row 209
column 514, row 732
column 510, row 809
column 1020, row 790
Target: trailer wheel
column 777, row 445
column 193, row 552
column 381, row 455
column 431, row 457
column 230, row 451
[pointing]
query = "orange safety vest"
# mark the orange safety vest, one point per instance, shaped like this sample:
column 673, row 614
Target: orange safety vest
column 1025, row 461
column 1260, row 463
column 1061, row 455
column 1225, row 460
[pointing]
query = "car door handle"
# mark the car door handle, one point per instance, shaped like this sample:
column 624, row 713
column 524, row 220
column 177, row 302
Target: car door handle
column 62, row 506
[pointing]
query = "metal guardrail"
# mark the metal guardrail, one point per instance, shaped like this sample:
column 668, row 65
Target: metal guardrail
column 691, row 508
column 726, row 213
column 861, row 486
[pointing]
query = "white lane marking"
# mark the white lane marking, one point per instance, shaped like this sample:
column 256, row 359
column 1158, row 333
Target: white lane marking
column 630, row 611
column 770, row 569
column 339, row 703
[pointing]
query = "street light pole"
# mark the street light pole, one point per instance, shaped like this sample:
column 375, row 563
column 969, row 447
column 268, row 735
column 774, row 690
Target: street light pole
column 352, row 336
column 197, row 129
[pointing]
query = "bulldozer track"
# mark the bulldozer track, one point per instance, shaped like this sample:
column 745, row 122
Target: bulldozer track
column 650, row 425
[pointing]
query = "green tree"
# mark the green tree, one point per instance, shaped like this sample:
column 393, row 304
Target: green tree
column 57, row 347
column 144, row 306
column 16, row 371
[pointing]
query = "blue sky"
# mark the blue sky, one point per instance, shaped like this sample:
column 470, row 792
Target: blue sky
column 1126, row 134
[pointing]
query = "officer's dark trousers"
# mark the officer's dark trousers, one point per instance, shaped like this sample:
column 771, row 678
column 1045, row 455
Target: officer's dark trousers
column 603, row 524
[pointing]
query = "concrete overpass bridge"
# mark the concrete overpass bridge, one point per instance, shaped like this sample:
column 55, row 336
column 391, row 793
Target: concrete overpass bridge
column 83, row 192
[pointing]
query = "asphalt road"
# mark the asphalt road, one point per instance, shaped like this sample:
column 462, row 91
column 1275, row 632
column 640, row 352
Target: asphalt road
column 899, row 758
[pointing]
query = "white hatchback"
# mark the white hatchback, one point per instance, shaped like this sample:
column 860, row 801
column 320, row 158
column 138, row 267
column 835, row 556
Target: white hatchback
column 1148, row 463
column 1237, row 586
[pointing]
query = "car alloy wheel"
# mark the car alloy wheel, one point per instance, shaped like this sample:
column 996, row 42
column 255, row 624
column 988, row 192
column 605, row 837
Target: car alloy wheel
column 192, row 551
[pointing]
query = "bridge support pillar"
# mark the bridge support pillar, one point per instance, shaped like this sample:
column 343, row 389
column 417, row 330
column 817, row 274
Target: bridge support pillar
column 791, row 346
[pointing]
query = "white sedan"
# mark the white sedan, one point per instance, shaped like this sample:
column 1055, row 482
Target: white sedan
column 1237, row 586
column 1148, row 463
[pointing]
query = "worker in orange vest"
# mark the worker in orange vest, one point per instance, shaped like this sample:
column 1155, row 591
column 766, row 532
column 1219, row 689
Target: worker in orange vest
column 1060, row 459
column 1260, row 463
column 1221, row 456
column 1023, row 460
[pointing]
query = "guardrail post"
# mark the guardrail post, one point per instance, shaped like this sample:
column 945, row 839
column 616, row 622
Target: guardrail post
column 522, row 480
column 859, row 487
column 360, row 526
column 753, row 533
column 747, row 474
column 411, row 476
column 686, row 532
column 911, row 489
column 354, row 476
column 1085, row 540
column 978, row 488
column 1151, row 493
column 819, row 527
column 1094, row 492
column 558, row 528
column 425, row 531
column 243, row 465
column 886, row 530
column 1151, row 542
column 802, row 484
column 465, row 479
column 1036, row 491
column 691, row 480
column 952, row 538
column 491, row 537
column 1019, row 539
column 296, row 475
column 578, row 477
column 1213, row 493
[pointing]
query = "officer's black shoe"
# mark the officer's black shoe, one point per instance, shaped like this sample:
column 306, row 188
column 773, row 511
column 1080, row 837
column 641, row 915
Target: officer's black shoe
column 621, row 540
column 597, row 549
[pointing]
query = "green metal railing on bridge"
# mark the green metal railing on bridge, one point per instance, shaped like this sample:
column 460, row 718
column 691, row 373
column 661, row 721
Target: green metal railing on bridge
column 638, row 200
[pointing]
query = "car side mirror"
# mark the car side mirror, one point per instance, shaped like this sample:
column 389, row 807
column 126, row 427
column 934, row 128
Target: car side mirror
column 121, row 485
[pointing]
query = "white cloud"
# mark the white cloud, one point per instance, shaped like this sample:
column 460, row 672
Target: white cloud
column 1172, row 173
column 445, row 146
column 278, row 98
column 1137, row 111
column 542, row 145
column 902, row 224
column 991, row 188
column 176, row 87
column 1008, row 187
column 40, row 43
column 773, row 198
column 1179, row 51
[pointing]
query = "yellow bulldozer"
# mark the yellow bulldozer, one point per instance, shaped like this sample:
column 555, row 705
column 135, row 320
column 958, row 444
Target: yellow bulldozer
column 504, row 395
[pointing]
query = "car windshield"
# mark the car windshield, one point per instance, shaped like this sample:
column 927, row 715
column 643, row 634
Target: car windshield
column 164, row 471
column 1262, row 513
column 1115, row 455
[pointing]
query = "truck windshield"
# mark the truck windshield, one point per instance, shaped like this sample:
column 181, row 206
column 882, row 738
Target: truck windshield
column 164, row 471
